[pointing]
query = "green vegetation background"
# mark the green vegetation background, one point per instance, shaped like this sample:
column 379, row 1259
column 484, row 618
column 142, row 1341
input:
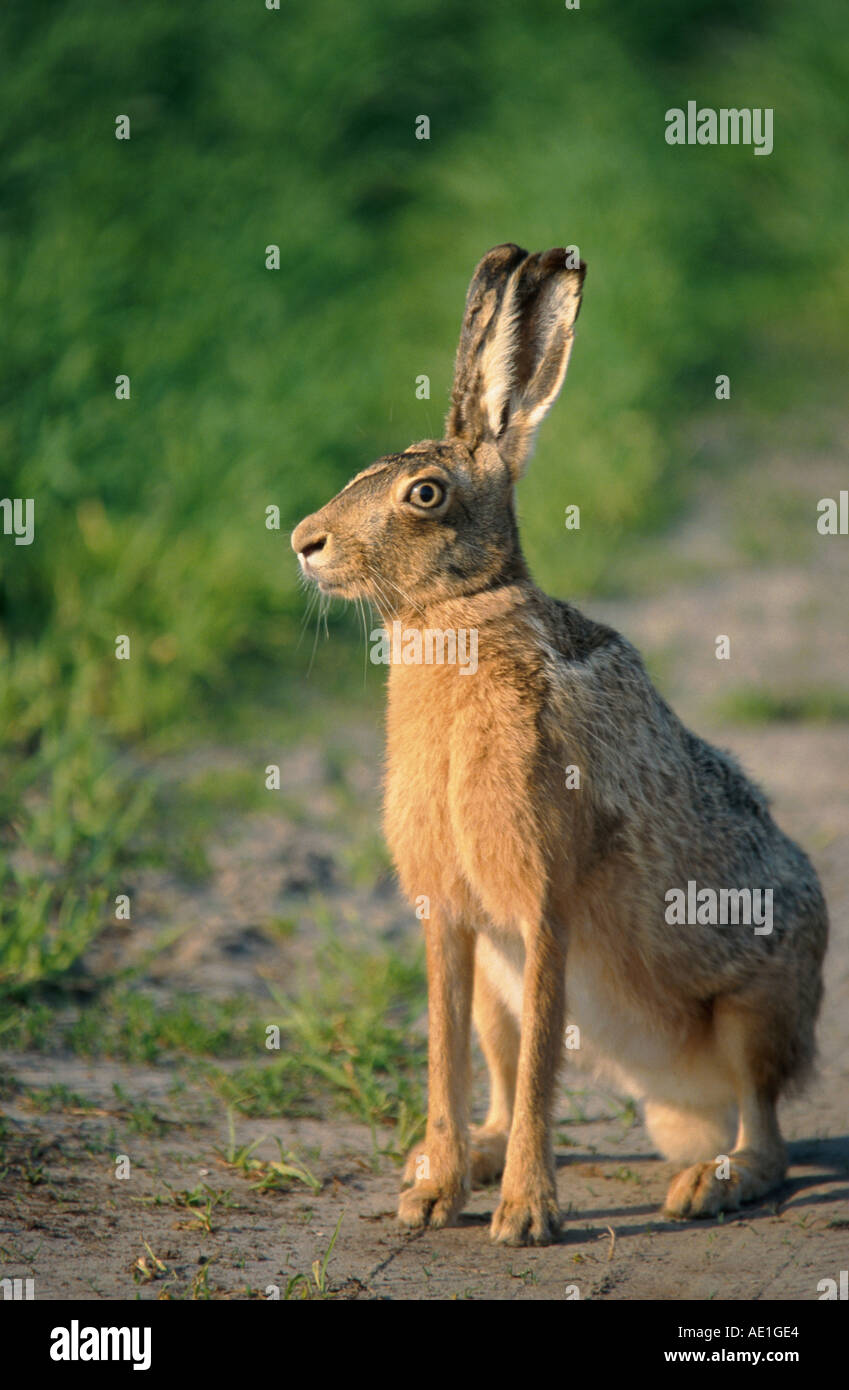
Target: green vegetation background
column 252, row 387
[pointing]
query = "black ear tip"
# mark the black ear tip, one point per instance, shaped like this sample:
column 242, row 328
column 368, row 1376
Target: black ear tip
column 561, row 258
column 557, row 260
column 504, row 257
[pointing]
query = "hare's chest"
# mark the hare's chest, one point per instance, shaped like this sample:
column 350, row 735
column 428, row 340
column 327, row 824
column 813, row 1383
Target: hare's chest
column 459, row 817
column 417, row 818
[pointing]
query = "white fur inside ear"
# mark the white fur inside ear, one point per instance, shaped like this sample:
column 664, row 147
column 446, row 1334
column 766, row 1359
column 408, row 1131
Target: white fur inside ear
column 559, row 347
column 554, row 338
column 498, row 359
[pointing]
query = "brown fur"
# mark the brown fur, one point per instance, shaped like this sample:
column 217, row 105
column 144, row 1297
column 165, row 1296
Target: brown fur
column 547, row 904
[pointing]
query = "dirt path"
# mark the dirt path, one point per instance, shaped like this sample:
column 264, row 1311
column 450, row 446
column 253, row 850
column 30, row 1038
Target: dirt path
column 185, row 1223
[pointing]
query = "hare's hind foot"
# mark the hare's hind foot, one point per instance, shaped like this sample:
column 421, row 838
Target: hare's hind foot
column 723, row 1184
column 488, row 1150
column 751, row 1048
column 754, row 1167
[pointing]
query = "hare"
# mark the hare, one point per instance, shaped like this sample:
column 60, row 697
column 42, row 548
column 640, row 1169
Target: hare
column 549, row 901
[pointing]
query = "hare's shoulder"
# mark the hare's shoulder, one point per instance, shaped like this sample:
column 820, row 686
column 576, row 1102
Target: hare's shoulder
column 577, row 638
column 598, row 681
column 603, row 694
column 590, row 663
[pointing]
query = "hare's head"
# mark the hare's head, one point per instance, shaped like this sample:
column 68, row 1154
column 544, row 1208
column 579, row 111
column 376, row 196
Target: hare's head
column 437, row 521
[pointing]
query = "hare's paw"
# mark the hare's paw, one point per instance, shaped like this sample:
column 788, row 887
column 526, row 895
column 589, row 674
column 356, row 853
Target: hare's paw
column 435, row 1186
column 532, row 1218
column 487, row 1153
column 697, row 1191
column 432, row 1203
column 703, row 1191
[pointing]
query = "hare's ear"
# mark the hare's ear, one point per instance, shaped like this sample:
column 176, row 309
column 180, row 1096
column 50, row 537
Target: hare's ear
column 514, row 348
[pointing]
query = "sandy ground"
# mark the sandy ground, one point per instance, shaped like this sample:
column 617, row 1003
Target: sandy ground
column 66, row 1221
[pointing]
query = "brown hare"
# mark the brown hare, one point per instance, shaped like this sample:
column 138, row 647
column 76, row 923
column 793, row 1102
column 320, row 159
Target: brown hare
column 549, row 902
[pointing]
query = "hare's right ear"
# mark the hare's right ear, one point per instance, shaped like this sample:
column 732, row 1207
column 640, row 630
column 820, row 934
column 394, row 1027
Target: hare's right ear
column 514, row 349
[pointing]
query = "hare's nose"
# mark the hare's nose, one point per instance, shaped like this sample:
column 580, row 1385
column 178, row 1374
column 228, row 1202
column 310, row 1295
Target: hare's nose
column 308, row 539
column 312, row 547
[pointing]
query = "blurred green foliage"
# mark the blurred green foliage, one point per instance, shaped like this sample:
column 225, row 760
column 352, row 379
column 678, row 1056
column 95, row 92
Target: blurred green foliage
column 253, row 387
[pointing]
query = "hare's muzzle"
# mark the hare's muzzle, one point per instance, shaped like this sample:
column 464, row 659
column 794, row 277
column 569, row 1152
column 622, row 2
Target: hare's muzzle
column 311, row 545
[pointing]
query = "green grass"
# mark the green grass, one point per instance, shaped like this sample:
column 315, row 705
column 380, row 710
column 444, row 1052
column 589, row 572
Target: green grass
column 56, row 1097
column 826, row 705
column 138, row 1116
column 268, row 1175
column 128, row 1025
column 349, row 1039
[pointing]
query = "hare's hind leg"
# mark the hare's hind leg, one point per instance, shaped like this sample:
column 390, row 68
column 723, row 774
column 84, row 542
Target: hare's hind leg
column 498, row 1030
column 750, row 1043
column 755, row 1166
column 687, row 1134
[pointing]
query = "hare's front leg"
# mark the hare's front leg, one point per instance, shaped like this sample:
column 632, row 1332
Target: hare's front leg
column 436, row 1178
column 528, row 1213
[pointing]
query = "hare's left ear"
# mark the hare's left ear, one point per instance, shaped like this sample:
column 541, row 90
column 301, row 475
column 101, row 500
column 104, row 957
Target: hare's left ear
column 514, row 349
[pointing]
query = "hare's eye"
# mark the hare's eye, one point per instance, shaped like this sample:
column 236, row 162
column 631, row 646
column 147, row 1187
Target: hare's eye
column 426, row 494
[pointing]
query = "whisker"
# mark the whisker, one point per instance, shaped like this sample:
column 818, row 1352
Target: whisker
column 362, row 613
column 381, row 596
column 386, row 602
column 312, row 598
column 405, row 597
column 317, row 631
